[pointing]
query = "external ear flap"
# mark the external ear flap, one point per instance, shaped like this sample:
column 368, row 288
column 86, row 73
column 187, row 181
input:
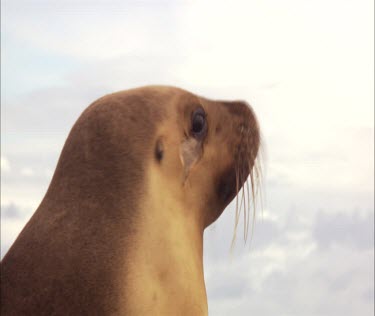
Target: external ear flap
column 190, row 152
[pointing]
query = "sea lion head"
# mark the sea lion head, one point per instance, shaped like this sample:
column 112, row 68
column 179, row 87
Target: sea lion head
column 161, row 146
column 204, row 151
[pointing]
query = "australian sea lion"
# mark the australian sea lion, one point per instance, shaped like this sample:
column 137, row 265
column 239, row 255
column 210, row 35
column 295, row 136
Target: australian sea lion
column 120, row 229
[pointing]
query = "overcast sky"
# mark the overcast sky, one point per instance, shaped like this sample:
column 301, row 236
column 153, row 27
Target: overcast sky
column 306, row 67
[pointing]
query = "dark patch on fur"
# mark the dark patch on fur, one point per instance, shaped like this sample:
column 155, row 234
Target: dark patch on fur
column 159, row 150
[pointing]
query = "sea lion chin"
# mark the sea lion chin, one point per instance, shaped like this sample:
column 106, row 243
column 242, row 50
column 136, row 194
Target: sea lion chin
column 120, row 230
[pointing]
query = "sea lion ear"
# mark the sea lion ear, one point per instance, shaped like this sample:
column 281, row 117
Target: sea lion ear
column 190, row 152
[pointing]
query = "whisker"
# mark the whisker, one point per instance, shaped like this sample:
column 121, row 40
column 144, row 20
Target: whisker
column 237, row 214
column 244, row 211
column 243, row 198
column 253, row 195
column 242, row 195
column 249, row 209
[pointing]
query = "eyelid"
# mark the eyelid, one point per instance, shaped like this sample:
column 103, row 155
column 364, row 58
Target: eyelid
column 199, row 109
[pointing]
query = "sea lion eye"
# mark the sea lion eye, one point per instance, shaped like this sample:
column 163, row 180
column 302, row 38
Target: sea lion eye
column 198, row 123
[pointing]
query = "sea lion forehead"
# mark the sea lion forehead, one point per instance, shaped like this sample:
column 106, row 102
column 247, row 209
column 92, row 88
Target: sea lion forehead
column 168, row 99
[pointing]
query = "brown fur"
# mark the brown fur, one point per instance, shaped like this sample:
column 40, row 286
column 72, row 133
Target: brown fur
column 82, row 250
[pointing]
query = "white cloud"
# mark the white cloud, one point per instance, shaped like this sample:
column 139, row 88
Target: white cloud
column 93, row 31
column 27, row 172
column 293, row 267
column 48, row 173
column 5, row 166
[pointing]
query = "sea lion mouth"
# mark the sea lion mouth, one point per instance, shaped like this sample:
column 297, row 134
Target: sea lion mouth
column 241, row 181
column 231, row 182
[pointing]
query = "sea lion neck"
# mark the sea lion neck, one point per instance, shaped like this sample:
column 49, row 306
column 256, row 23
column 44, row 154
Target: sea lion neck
column 167, row 255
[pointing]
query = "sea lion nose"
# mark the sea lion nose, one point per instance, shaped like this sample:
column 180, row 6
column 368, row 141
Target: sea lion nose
column 246, row 137
column 244, row 123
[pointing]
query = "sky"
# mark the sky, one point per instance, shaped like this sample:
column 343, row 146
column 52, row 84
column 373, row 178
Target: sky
column 307, row 69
